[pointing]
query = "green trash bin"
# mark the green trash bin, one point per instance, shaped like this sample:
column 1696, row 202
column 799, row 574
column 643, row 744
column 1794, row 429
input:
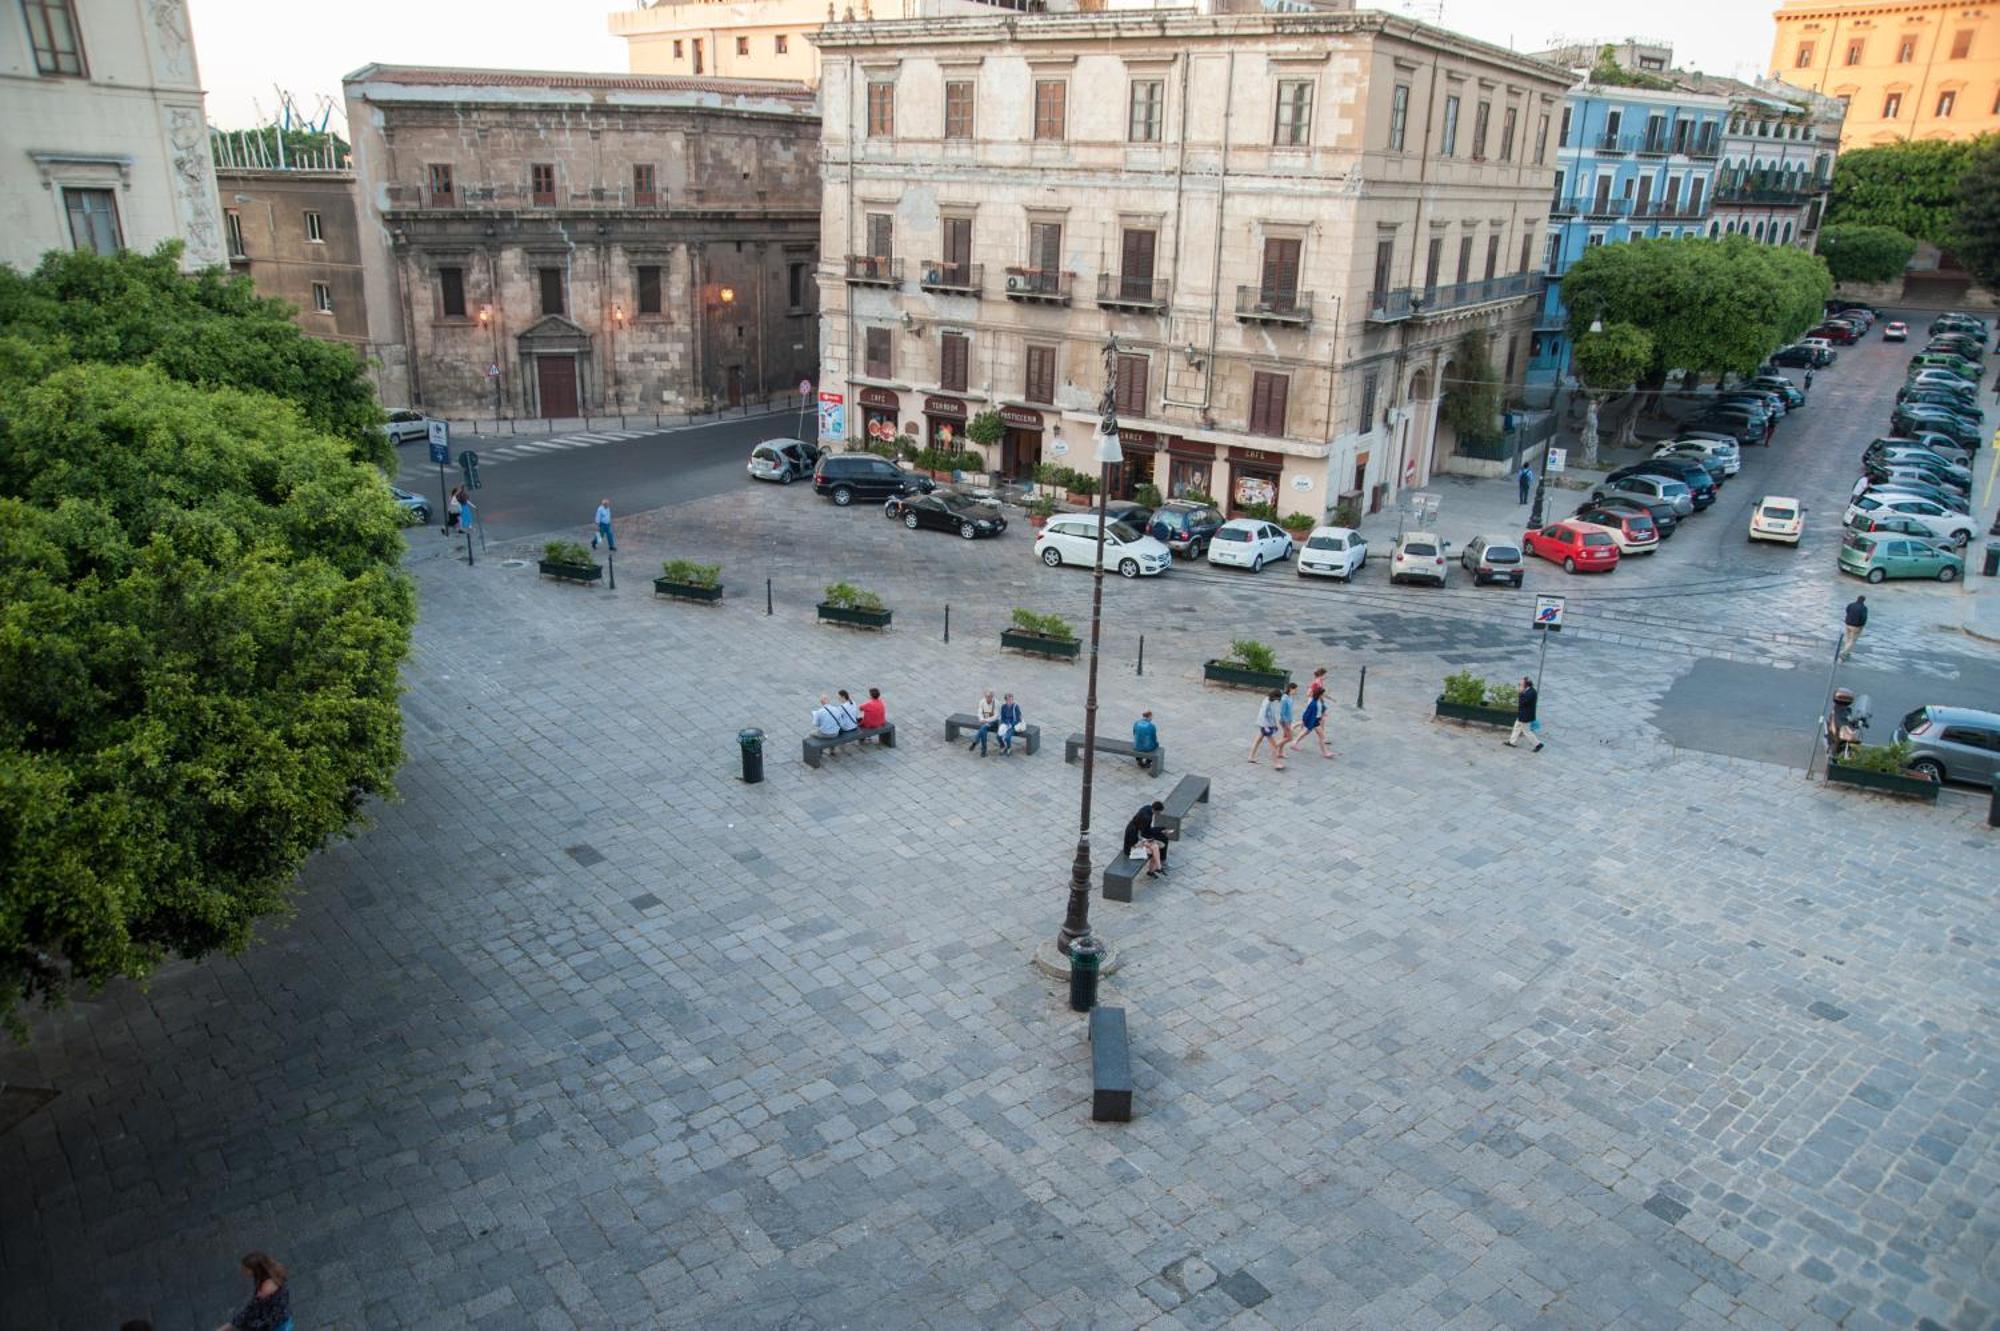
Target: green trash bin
column 1992, row 569
column 752, row 740
column 1086, row 955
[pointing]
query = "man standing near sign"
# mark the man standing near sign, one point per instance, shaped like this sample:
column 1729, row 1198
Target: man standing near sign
column 1526, row 726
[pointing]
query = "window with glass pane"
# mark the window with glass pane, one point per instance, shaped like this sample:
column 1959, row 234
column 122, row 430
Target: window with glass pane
column 1146, row 111
column 1464, row 260
column 1946, row 100
column 1482, row 119
column 954, row 354
column 232, row 226
column 93, row 220
column 797, row 284
column 1045, row 255
column 451, row 293
column 52, row 32
column 743, row 46
column 1854, row 52
column 1130, row 384
column 648, row 283
column 882, row 236
column 958, row 109
column 1399, row 115
column 1385, row 263
column 781, row 44
column 1051, row 109
column 1905, row 52
column 1892, row 106
column 1295, row 109
column 322, row 298
column 645, row 190
column 1040, row 382
column 1448, row 141
column 1279, row 289
column 881, row 110
column 876, row 353
column 1492, row 256
column 1542, row 141
column 1370, row 385
column 441, row 185
column 1433, row 260
column 1507, row 135
column 313, row 232
column 957, row 266
column 1804, row 60
column 550, row 280
column 542, row 182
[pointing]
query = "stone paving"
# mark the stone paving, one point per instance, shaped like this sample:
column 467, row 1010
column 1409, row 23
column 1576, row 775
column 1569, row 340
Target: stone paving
column 584, row 1032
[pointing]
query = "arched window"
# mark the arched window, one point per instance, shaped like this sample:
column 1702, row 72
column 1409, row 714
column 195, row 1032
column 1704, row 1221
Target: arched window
column 1714, row 230
column 1788, row 233
column 1760, row 231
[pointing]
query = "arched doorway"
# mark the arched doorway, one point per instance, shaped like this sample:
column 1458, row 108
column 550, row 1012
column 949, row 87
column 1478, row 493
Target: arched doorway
column 1441, row 442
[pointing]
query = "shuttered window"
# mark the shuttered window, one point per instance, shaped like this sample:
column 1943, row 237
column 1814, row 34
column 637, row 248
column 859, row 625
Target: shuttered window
column 1145, row 110
column 1051, row 109
column 954, row 354
column 542, row 182
column 1492, row 256
column 1135, row 265
column 1399, row 115
column 1507, row 134
column 958, row 109
column 1370, row 383
column 878, row 353
column 1041, row 377
column 881, row 110
column 1267, row 402
column 1280, row 287
column 1465, row 260
column 1433, row 261
column 882, row 235
column 1385, row 262
column 1130, row 394
column 551, row 280
column 1045, row 248
column 451, row 292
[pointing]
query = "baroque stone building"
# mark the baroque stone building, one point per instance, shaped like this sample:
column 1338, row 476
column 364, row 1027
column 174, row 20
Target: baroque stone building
column 567, row 245
column 102, row 133
column 1288, row 221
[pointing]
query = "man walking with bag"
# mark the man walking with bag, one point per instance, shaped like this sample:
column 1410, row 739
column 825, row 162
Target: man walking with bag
column 1856, row 620
column 1526, row 726
column 603, row 526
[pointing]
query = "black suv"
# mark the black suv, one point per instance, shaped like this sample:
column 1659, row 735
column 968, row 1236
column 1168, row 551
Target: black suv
column 1184, row 528
column 851, row 476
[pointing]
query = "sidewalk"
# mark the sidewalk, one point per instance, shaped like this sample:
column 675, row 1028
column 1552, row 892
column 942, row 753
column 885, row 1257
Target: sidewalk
column 489, row 427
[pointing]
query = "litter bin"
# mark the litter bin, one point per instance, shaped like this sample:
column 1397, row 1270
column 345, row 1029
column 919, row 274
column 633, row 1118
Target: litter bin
column 1993, row 559
column 752, row 740
column 1086, row 954
column 1993, row 805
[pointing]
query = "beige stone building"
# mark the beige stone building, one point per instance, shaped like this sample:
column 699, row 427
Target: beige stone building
column 558, row 245
column 102, row 134
column 290, row 228
column 753, row 39
column 1287, row 221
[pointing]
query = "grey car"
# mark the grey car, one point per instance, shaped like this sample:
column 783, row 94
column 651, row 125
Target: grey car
column 415, row 508
column 1649, row 490
column 1953, row 743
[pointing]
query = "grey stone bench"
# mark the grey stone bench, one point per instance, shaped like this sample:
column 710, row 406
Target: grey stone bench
column 965, row 721
column 817, row 745
column 1110, row 1066
column 1121, row 875
column 1188, row 792
column 1156, row 759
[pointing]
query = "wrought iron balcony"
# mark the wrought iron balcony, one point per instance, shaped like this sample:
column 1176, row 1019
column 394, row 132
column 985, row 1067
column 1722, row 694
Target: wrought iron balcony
column 1115, row 291
column 961, row 279
column 1431, row 302
column 1047, row 286
column 1274, row 305
column 874, row 270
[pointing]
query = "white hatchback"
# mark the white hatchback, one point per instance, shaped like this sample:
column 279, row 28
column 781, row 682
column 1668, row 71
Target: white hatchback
column 1953, row 529
column 1777, row 518
column 1071, row 538
column 1249, row 543
column 1333, row 552
column 1420, row 555
column 1723, row 453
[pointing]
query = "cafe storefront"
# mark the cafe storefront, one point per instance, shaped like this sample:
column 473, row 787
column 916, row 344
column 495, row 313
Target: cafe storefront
column 881, row 410
column 1254, row 477
column 1021, row 445
column 944, row 422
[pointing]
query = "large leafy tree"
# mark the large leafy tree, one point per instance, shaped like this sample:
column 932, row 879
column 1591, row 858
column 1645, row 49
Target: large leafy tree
column 1473, row 394
column 200, row 639
column 1911, row 187
column 1978, row 225
column 209, row 329
column 1610, row 360
column 1857, row 252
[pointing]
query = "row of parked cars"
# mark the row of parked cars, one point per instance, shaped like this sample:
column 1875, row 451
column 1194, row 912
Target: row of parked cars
column 1910, row 514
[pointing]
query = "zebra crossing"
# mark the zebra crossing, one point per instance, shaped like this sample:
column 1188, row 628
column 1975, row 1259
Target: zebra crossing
column 498, row 452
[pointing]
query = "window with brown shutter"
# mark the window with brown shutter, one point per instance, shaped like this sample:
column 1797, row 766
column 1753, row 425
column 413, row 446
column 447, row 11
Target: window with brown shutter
column 882, row 235
column 881, row 110
column 644, row 192
column 648, row 275
column 1267, row 402
column 1280, row 286
column 876, row 353
column 542, row 182
column 442, row 192
column 1527, row 241
column 958, row 109
column 954, row 354
column 1433, row 260
column 1507, row 135
column 1370, row 384
column 1045, row 255
column 1465, row 260
column 1385, row 263
column 1135, row 264
column 1492, row 255
column 957, row 257
column 1130, row 388
column 1051, row 109
column 1481, row 119
column 1041, row 378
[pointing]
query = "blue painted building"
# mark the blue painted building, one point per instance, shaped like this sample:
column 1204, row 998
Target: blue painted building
column 1630, row 163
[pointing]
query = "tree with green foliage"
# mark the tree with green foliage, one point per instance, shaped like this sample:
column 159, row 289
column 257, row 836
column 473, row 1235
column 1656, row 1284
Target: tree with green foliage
column 1709, row 306
column 1472, row 394
column 1978, row 223
column 1857, row 252
column 204, row 621
column 209, row 329
column 1910, row 187
column 1610, row 360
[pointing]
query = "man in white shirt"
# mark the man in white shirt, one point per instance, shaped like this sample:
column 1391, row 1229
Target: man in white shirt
column 826, row 722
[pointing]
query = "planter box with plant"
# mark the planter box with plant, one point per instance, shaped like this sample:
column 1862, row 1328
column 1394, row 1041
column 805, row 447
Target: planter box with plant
column 1040, row 509
column 1300, row 525
column 1883, row 767
column 1044, row 635
column 1469, row 698
column 1147, row 494
column 689, row 581
column 1249, row 665
column 569, row 562
column 848, row 604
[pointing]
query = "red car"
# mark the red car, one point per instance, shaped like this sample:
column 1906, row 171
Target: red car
column 1575, row 545
column 1837, row 330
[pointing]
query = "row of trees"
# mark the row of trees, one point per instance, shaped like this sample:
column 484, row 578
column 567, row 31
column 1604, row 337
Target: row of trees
column 1887, row 199
column 1640, row 310
column 204, row 619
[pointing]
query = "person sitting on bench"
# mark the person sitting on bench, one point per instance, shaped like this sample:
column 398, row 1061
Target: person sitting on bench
column 989, row 721
column 1145, row 739
column 826, row 723
column 1010, row 721
column 1140, row 831
column 874, row 712
column 845, row 714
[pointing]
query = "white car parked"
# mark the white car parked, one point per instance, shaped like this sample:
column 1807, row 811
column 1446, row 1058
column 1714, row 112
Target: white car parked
column 1333, row 552
column 405, row 426
column 1249, row 543
column 1777, row 518
column 1419, row 554
column 1071, row 538
column 1723, row 453
column 1943, row 524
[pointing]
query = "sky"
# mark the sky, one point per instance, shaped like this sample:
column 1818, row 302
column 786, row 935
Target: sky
column 247, row 55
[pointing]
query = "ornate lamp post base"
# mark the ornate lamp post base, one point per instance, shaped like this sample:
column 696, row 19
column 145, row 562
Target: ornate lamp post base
column 1053, row 962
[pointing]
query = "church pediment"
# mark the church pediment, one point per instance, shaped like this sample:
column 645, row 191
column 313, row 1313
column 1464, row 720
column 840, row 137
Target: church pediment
column 553, row 332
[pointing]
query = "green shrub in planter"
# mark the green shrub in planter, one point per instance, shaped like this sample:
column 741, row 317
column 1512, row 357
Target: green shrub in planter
column 986, row 428
column 1253, row 655
column 566, row 552
column 1465, row 689
column 846, row 596
column 1263, row 512
column 688, row 572
column 1347, row 514
column 1042, row 506
column 1049, row 626
column 1199, row 497
column 1149, row 495
column 1888, row 759
column 1298, row 524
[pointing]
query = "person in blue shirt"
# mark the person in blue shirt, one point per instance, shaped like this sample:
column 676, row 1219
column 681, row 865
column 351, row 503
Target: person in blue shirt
column 1010, row 721
column 1145, row 739
column 826, row 724
column 603, row 526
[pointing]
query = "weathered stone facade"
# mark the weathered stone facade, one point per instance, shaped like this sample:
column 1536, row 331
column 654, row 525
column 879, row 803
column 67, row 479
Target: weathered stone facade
column 1287, row 221
column 568, row 245
column 293, row 233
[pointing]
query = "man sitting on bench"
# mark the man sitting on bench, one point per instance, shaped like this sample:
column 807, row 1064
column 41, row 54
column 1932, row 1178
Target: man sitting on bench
column 1140, row 831
column 1145, row 740
column 826, row 721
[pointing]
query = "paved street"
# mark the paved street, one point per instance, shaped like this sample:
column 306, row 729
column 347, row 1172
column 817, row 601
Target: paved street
column 583, row 1032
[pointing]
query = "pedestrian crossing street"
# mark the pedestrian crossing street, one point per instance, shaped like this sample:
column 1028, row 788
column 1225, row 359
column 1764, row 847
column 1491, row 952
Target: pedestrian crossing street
column 494, row 450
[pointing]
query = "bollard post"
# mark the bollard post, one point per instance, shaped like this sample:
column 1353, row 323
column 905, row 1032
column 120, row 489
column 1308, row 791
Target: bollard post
column 767, row 596
column 947, row 621
column 1142, row 654
column 1361, row 690
column 468, row 547
column 611, row 567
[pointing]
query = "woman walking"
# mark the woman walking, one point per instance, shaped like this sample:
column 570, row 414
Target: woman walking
column 1267, row 731
column 1313, row 723
column 270, row 1306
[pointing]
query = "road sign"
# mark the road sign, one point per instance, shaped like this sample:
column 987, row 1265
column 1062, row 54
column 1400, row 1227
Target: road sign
column 468, row 462
column 492, row 369
column 1549, row 613
column 1558, row 459
column 440, row 434
column 806, row 388
column 440, row 452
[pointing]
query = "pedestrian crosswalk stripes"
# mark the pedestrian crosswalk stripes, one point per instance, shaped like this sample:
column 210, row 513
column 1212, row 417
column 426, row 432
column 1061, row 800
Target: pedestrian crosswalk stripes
column 587, row 439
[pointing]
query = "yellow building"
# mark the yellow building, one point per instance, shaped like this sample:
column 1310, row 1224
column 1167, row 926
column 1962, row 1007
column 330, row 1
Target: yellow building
column 1907, row 69
column 753, row 39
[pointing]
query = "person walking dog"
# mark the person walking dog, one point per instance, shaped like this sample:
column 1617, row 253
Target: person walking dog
column 1526, row 725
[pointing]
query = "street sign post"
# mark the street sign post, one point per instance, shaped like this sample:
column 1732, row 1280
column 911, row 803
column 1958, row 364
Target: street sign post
column 1558, row 459
column 439, row 434
column 1548, row 619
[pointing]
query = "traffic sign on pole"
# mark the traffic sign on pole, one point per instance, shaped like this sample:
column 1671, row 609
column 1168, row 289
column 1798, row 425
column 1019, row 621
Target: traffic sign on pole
column 1549, row 613
column 1558, row 459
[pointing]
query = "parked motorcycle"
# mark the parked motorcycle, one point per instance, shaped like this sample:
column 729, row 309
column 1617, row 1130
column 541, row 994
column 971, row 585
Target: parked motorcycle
column 1845, row 723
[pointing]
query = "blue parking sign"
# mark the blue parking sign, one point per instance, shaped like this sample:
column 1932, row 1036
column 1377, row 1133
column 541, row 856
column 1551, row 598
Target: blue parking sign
column 440, row 452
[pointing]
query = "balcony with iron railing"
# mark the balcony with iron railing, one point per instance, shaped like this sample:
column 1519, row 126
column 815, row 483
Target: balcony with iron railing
column 1603, row 208
column 1044, row 286
column 874, row 270
column 1803, row 192
column 1431, row 302
column 1274, row 305
column 1613, row 143
column 953, row 279
column 1117, row 291
column 467, row 197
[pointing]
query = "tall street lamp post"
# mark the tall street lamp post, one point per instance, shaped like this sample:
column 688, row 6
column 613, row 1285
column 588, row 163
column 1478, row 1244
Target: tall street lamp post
column 1076, row 922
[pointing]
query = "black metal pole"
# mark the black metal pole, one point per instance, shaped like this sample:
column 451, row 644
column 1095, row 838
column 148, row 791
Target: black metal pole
column 947, row 621
column 468, row 547
column 767, row 596
column 1361, row 690
column 611, row 567
column 1142, row 654
column 444, row 500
